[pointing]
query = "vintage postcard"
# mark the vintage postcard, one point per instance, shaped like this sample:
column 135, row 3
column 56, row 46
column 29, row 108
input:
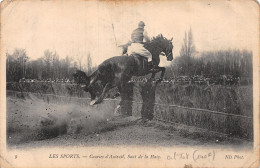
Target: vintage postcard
column 120, row 83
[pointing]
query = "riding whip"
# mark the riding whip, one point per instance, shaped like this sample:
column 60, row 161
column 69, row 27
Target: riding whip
column 114, row 33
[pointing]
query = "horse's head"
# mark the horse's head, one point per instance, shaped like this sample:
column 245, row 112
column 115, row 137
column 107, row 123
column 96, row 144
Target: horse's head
column 168, row 50
column 160, row 44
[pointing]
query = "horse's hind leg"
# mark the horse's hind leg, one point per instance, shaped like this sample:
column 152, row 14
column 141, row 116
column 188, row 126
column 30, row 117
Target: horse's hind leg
column 101, row 97
column 93, row 80
column 153, row 75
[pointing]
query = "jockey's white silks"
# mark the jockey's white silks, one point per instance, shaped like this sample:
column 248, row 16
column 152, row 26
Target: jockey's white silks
column 137, row 48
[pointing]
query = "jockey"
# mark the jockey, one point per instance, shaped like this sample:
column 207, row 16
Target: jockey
column 137, row 36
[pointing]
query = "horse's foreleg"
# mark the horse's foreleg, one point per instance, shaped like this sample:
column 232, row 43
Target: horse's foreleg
column 158, row 69
column 92, row 81
column 119, row 91
column 101, row 97
column 92, row 94
column 162, row 74
column 154, row 71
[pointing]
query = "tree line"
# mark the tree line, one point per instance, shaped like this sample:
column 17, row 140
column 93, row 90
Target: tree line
column 49, row 66
column 214, row 63
column 235, row 62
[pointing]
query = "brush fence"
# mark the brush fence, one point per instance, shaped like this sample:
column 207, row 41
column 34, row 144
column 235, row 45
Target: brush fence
column 142, row 101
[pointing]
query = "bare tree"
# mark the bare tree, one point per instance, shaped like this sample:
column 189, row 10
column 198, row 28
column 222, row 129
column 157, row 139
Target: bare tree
column 47, row 57
column 89, row 63
column 187, row 52
column 80, row 60
column 16, row 64
column 55, row 65
column 188, row 48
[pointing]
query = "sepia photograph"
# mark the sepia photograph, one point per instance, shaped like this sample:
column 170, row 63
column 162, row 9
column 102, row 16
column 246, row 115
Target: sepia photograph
column 89, row 83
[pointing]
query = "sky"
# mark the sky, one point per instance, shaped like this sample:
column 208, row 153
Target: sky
column 75, row 28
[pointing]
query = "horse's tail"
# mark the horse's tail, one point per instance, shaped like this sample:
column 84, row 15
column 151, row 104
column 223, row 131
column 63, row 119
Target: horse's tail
column 80, row 77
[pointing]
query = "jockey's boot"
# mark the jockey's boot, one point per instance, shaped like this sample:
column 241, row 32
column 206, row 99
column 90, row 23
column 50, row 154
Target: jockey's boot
column 154, row 68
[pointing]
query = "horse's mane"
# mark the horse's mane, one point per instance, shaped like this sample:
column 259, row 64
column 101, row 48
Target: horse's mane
column 158, row 40
column 157, row 43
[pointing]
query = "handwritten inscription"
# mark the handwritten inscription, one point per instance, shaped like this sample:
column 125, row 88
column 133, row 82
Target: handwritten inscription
column 202, row 155
column 195, row 156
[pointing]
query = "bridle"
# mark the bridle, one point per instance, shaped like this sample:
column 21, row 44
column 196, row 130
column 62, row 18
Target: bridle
column 168, row 48
column 163, row 53
column 168, row 54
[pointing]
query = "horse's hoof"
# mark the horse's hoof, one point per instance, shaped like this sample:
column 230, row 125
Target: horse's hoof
column 116, row 95
column 82, row 86
column 93, row 102
column 117, row 111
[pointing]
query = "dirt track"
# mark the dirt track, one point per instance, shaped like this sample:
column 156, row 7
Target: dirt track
column 34, row 123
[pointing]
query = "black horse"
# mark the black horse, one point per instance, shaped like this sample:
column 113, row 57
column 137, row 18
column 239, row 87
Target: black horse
column 118, row 70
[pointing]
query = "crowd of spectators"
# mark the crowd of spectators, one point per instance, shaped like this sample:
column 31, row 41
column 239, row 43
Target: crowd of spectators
column 201, row 80
column 66, row 80
column 197, row 79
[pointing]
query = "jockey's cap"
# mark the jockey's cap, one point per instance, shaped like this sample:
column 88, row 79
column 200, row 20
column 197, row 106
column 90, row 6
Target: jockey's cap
column 141, row 24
